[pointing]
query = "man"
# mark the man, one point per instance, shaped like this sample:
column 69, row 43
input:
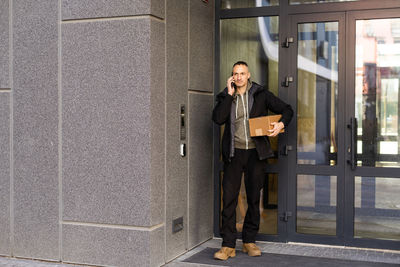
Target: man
column 238, row 102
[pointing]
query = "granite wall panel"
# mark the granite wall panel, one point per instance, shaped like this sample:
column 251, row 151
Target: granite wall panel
column 157, row 119
column 4, row 44
column 35, row 134
column 112, row 246
column 108, row 141
column 201, row 186
column 79, row 9
column 201, row 40
column 176, row 166
column 5, row 246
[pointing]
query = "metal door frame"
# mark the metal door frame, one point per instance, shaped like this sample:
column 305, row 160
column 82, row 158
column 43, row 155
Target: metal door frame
column 350, row 240
column 338, row 169
column 352, row 11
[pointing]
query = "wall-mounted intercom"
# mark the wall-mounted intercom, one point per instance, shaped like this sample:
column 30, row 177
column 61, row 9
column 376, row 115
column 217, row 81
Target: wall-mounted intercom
column 182, row 130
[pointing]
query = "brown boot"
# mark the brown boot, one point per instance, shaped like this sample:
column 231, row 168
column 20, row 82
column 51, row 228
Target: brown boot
column 224, row 253
column 251, row 249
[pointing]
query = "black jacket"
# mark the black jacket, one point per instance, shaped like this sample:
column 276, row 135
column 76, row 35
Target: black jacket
column 260, row 101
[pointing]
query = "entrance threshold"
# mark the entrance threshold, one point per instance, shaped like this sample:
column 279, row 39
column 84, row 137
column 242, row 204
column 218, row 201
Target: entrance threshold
column 290, row 254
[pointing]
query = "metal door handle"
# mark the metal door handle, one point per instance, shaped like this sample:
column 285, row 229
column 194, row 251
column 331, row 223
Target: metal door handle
column 353, row 143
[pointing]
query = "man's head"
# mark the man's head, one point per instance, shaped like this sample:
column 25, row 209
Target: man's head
column 240, row 73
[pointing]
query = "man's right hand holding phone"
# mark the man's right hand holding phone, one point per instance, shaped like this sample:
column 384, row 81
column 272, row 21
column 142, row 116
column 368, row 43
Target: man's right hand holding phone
column 229, row 85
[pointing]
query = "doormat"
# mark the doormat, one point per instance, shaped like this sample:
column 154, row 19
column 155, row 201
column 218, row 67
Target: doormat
column 206, row 256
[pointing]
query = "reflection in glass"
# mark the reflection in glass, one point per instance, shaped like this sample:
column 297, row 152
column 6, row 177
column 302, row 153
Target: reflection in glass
column 377, row 92
column 230, row 4
column 268, row 206
column 317, row 75
column 254, row 40
column 316, row 204
column 297, row 2
column 377, row 208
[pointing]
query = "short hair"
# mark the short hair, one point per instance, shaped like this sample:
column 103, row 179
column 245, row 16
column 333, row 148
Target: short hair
column 240, row 63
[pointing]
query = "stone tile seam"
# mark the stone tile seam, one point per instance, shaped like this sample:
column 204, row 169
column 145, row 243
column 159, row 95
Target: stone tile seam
column 115, row 226
column 11, row 81
column 188, row 132
column 39, row 262
column 165, row 127
column 60, row 188
column 198, row 92
column 132, row 17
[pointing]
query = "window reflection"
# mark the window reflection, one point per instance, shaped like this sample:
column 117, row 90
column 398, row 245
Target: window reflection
column 377, row 208
column 230, row 4
column 317, row 74
column 297, row 2
column 268, row 205
column 377, row 92
column 316, row 204
column 255, row 41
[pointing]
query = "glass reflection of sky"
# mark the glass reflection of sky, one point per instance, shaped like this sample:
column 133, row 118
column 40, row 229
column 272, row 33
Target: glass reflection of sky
column 271, row 49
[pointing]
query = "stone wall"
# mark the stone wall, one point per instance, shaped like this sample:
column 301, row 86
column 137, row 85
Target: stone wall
column 90, row 96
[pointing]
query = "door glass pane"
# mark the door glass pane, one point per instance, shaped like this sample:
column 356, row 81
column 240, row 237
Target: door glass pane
column 316, row 204
column 297, row 2
column 377, row 208
column 255, row 41
column 268, row 205
column 229, row 4
column 377, row 92
column 317, row 86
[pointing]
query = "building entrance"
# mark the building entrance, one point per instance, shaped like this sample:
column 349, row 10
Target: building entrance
column 343, row 169
column 335, row 178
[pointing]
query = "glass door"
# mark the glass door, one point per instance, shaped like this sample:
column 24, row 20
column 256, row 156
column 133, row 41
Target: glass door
column 316, row 181
column 344, row 168
column 373, row 109
column 254, row 40
column 335, row 177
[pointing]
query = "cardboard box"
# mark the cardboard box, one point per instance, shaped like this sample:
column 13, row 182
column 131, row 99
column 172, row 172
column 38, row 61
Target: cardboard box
column 259, row 126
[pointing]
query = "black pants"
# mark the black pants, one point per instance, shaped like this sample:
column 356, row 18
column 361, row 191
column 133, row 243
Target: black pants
column 254, row 173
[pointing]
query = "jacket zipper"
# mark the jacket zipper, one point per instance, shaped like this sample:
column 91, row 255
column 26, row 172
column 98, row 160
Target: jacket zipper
column 244, row 119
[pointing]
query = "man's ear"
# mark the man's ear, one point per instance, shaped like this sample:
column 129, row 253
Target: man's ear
column 249, row 76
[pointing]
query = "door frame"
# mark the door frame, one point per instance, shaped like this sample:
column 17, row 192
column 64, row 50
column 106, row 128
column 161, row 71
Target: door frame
column 352, row 10
column 350, row 240
column 325, row 170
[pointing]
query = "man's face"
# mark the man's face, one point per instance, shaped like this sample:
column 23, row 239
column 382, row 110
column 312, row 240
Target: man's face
column 241, row 75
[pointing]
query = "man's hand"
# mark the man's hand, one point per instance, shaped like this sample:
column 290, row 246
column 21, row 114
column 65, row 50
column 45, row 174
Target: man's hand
column 231, row 89
column 278, row 126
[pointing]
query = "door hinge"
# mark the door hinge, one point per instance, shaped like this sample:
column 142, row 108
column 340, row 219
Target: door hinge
column 285, row 216
column 286, row 150
column 287, row 42
column 288, row 79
